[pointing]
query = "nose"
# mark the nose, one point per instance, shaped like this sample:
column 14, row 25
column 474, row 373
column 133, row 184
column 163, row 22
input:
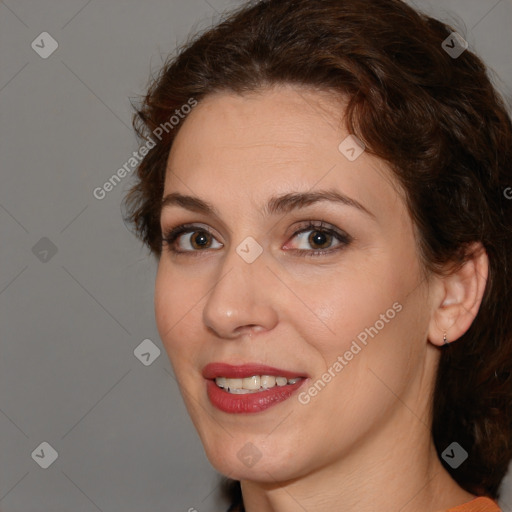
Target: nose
column 241, row 301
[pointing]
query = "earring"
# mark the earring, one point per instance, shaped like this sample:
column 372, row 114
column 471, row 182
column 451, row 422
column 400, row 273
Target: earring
column 444, row 338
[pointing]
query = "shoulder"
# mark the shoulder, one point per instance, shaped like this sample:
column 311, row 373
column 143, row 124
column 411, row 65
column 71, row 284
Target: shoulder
column 480, row 504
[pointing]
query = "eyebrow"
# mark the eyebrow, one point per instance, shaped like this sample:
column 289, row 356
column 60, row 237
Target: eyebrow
column 276, row 205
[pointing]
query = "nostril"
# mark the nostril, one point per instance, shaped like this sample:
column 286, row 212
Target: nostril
column 249, row 329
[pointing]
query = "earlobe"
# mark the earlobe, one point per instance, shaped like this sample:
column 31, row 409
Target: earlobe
column 461, row 293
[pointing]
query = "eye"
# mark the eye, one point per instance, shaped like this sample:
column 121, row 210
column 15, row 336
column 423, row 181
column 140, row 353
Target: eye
column 320, row 238
column 189, row 238
column 194, row 239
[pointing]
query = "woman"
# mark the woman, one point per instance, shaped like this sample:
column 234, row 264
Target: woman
column 327, row 200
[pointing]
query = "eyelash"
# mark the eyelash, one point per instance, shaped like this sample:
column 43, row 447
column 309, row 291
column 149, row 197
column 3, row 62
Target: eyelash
column 170, row 237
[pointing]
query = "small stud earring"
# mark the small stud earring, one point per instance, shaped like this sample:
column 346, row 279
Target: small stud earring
column 444, row 338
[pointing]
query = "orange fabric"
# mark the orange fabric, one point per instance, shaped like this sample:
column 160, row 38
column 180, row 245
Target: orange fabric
column 481, row 504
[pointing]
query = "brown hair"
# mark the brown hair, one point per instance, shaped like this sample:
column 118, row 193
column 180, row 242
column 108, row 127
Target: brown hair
column 440, row 125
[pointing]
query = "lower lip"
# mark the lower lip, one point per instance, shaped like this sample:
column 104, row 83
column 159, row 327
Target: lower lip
column 249, row 402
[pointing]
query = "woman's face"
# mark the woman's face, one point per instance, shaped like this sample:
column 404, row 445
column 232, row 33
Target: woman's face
column 327, row 288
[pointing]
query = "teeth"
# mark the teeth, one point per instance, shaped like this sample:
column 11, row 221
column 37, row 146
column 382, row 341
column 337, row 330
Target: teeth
column 253, row 384
column 221, row 382
column 268, row 381
column 281, row 381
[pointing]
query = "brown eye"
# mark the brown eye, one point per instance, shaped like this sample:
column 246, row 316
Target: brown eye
column 189, row 239
column 320, row 239
column 200, row 240
column 317, row 240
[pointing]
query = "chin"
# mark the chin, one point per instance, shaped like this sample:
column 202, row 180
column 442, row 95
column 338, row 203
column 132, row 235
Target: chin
column 258, row 460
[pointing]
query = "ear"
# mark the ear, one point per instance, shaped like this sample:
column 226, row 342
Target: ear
column 458, row 297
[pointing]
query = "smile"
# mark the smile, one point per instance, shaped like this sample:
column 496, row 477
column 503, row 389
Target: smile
column 254, row 384
column 249, row 388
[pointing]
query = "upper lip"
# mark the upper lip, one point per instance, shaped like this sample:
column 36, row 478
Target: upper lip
column 214, row 370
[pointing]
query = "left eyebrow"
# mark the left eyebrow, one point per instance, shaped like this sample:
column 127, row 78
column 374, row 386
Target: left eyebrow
column 276, row 205
column 295, row 200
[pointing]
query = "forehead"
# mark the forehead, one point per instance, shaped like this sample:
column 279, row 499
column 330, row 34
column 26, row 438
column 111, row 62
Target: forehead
column 268, row 124
column 276, row 140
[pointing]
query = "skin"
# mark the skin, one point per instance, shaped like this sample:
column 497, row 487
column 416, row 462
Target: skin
column 364, row 440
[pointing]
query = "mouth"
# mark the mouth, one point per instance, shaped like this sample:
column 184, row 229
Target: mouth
column 249, row 388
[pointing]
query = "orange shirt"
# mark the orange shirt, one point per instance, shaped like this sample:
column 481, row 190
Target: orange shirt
column 480, row 504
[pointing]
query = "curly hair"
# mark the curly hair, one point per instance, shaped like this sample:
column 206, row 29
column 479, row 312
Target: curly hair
column 436, row 120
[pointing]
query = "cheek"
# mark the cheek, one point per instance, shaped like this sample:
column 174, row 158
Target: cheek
column 366, row 326
column 374, row 349
column 175, row 303
column 346, row 306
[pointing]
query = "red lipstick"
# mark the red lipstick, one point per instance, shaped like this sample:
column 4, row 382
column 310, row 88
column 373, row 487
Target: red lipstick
column 249, row 402
column 213, row 370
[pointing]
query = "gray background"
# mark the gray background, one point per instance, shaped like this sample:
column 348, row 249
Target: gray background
column 70, row 321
